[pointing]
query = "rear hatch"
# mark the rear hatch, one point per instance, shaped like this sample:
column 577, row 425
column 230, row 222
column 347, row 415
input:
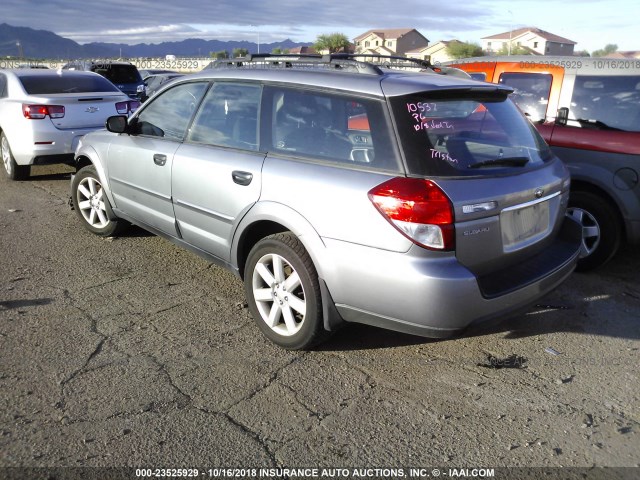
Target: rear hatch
column 84, row 111
column 507, row 191
column 88, row 99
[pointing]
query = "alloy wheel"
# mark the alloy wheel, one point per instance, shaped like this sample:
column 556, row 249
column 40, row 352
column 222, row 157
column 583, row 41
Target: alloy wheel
column 91, row 202
column 279, row 294
column 590, row 230
column 6, row 155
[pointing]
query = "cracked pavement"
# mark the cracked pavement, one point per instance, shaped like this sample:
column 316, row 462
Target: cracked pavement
column 132, row 352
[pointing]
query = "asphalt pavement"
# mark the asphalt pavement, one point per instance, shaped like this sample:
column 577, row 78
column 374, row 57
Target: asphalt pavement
column 130, row 352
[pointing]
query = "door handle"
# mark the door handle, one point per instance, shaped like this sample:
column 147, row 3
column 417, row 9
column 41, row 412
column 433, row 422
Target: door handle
column 242, row 178
column 159, row 159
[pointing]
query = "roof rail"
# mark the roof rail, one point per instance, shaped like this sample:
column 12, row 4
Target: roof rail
column 352, row 62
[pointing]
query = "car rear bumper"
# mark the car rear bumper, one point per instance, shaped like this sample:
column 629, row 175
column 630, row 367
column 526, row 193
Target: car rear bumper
column 437, row 297
column 46, row 145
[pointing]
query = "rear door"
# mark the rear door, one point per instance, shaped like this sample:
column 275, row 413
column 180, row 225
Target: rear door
column 139, row 164
column 603, row 113
column 217, row 172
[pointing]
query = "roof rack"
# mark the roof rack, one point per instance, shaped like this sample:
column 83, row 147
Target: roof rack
column 369, row 63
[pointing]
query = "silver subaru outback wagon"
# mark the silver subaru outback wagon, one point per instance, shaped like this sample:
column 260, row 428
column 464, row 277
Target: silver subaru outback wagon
column 341, row 189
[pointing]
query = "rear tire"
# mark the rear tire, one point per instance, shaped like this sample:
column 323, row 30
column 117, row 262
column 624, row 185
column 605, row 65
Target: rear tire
column 92, row 205
column 601, row 228
column 283, row 292
column 13, row 170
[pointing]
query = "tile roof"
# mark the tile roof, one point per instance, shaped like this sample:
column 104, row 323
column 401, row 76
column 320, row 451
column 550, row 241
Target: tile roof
column 387, row 33
column 521, row 31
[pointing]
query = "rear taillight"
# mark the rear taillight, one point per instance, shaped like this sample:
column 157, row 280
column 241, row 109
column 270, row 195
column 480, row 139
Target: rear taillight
column 419, row 209
column 38, row 112
column 125, row 108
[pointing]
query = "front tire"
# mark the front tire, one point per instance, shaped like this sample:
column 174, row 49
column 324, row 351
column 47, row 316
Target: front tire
column 13, row 170
column 283, row 292
column 92, row 205
column 601, row 228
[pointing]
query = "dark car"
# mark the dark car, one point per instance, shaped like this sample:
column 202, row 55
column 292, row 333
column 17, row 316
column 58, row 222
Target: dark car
column 153, row 83
column 123, row 75
column 144, row 73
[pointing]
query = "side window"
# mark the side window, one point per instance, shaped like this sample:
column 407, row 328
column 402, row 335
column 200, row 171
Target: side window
column 3, row 86
column 228, row 116
column 531, row 92
column 602, row 102
column 333, row 127
column 478, row 76
column 168, row 115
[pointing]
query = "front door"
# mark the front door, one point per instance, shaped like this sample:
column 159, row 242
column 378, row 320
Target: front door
column 140, row 163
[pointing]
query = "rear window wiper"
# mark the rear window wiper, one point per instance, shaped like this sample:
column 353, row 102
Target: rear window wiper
column 500, row 162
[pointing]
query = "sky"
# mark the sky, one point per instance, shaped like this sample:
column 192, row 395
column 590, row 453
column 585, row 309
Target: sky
column 590, row 23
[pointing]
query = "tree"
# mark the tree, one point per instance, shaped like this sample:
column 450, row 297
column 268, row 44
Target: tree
column 333, row 42
column 219, row 54
column 515, row 50
column 609, row 48
column 280, row 51
column 240, row 52
column 457, row 49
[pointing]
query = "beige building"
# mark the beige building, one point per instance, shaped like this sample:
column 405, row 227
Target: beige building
column 396, row 41
column 537, row 41
column 436, row 53
column 631, row 54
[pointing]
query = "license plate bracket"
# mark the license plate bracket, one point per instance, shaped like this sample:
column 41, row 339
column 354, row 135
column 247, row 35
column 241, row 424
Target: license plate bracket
column 524, row 225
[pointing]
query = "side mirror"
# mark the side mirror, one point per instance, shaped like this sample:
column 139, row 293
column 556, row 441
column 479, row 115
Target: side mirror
column 117, row 124
column 562, row 116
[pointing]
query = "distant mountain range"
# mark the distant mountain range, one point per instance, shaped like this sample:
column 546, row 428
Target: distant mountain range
column 40, row 44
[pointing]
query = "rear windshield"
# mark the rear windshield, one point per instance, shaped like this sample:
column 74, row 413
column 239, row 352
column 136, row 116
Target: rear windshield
column 55, row 83
column 119, row 73
column 466, row 135
column 606, row 102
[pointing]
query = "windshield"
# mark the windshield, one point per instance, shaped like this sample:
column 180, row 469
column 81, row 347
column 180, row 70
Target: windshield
column 466, row 135
column 55, row 83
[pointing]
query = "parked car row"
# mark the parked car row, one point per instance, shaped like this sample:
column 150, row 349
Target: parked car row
column 341, row 190
column 123, row 75
column 348, row 189
column 44, row 113
column 588, row 111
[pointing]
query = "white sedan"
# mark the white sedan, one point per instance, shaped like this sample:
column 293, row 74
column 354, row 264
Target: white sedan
column 44, row 113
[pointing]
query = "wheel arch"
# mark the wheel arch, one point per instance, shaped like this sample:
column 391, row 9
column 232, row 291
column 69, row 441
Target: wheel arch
column 267, row 218
column 88, row 156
